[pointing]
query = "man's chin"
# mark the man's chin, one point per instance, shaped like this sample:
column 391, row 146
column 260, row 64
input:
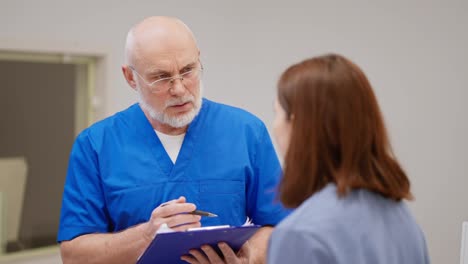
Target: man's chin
column 179, row 119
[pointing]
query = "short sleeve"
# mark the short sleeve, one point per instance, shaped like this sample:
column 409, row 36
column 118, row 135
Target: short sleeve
column 263, row 206
column 83, row 205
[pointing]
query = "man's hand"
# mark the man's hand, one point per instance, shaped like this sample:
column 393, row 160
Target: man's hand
column 174, row 214
column 211, row 257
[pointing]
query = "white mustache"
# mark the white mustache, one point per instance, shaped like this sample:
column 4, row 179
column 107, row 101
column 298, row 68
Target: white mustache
column 180, row 101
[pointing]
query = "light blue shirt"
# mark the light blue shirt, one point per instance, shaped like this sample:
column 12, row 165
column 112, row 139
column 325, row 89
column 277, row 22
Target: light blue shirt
column 361, row 228
column 119, row 172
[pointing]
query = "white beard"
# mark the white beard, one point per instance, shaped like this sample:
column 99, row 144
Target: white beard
column 174, row 121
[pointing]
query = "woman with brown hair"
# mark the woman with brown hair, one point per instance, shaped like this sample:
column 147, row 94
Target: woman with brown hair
column 339, row 172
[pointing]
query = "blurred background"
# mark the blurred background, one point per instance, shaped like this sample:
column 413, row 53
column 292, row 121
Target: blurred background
column 60, row 71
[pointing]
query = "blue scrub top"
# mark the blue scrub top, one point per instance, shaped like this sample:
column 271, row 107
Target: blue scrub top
column 119, row 172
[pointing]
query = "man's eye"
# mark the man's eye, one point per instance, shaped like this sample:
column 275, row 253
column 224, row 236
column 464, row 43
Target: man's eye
column 161, row 76
column 187, row 69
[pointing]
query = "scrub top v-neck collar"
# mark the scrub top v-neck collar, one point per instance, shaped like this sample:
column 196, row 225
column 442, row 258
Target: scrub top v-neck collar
column 173, row 171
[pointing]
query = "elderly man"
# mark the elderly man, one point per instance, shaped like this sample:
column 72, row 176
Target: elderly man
column 158, row 160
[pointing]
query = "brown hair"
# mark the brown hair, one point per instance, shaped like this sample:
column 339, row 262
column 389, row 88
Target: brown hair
column 338, row 134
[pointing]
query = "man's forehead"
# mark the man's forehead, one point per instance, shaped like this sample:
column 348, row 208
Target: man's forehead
column 168, row 62
column 165, row 57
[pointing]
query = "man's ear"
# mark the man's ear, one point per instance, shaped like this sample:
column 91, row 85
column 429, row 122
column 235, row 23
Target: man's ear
column 129, row 77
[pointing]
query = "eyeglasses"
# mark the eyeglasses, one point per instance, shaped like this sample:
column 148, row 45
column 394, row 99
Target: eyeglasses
column 162, row 82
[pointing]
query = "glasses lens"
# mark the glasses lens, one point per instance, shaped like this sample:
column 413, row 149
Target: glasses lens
column 187, row 78
column 161, row 85
column 191, row 76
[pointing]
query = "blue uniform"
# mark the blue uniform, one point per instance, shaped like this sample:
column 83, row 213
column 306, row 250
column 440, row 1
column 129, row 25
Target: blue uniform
column 119, row 172
column 363, row 227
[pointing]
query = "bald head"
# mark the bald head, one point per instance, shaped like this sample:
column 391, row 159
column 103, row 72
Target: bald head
column 158, row 35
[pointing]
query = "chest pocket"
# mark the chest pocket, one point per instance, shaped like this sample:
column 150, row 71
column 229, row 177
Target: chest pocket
column 226, row 198
column 131, row 206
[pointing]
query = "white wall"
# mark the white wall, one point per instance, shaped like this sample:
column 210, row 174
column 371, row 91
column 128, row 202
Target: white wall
column 415, row 55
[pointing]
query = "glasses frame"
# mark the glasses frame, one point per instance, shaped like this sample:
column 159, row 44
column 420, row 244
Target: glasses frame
column 171, row 79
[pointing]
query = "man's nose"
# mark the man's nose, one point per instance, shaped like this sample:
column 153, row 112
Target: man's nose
column 178, row 86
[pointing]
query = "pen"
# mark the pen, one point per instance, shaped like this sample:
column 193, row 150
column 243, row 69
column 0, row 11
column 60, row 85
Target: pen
column 197, row 212
column 203, row 213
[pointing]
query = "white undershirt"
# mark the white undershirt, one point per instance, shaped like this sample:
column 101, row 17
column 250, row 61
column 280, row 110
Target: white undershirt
column 171, row 144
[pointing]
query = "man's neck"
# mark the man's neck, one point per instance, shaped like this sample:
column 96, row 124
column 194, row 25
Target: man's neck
column 168, row 130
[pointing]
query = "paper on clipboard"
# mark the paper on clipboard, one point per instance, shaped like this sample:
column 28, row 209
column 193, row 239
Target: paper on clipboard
column 169, row 247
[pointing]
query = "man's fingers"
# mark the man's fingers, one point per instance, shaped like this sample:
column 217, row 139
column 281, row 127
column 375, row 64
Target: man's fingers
column 229, row 255
column 245, row 250
column 181, row 199
column 190, row 259
column 200, row 257
column 181, row 219
column 211, row 254
column 172, row 209
column 186, row 226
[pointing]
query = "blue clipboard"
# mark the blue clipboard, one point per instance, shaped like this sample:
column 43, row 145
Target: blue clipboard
column 169, row 247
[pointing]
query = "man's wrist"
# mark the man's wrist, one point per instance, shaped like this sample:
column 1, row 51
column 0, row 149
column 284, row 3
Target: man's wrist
column 145, row 232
